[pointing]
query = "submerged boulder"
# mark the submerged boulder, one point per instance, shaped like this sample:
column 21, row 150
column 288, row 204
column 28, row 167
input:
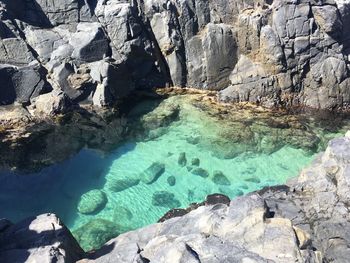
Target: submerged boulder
column 92, row 202
column 95, row 233
column 171, row 180
column 122, row 215
column 220, row 179
column 153, row 172
column 119, row 185
column 182, row 161
column 165, row 199
column 195, row 162
column 200, row 172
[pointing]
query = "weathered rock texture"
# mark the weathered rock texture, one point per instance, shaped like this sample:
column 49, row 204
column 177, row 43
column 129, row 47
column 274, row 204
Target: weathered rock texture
column 304, row 221
column 98, row 51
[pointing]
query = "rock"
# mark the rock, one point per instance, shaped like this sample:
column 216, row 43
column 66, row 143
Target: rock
column 4, row 224
column 200, row 172
column 39, row 239
column 165, row 199
column 182, row 161
column 152, row 173
column 122, row 214
column 92, row 202
column 220, row 179
column 95, row 233
column 118, row 185
column 171, row 180
column 195, row 162
column 254, row 179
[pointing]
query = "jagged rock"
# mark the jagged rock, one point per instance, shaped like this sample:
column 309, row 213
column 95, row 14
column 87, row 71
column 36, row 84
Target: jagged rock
column 182, row 161
column 153, row 172
column 49, row 104
column 165, row 199
column 39, row 239
column 92, row 202
column 118, row 185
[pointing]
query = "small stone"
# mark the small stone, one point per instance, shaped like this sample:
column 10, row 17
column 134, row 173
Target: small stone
column 253, row 180
column 92, row 202
column 122, row 184
column 152, row 173
column 200, row 172
column 182, row 161
column 217, row 199
column 195, row 162
column 189, row 168
column 171, row 180
column 220, row 179
column 165, row 199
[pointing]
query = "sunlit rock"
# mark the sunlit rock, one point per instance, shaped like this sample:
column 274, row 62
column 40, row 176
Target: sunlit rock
column 92, row 202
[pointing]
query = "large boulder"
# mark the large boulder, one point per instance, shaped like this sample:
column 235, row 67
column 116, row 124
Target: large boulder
column 39, row 239
column 92, row 202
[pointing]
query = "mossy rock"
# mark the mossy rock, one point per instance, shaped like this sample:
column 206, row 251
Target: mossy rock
column 220, row 179
column 153, row 172
column 92, row 202
column 200, row 172
column 122, row 184
column 96, row 232
column 165, row 199
column 171, row 180
column 182, row 160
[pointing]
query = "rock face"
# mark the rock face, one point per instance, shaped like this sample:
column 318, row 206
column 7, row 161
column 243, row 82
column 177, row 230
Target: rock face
column 272, row 52
column 39, row 239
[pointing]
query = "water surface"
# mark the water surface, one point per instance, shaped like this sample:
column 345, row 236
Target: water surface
column 203, row 150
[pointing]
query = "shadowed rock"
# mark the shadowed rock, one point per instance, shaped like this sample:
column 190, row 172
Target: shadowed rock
column 165, row 199
column 152, row 173
column 92, row 202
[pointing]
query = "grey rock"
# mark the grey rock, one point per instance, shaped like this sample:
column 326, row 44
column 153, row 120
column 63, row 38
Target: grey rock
column 39, row 239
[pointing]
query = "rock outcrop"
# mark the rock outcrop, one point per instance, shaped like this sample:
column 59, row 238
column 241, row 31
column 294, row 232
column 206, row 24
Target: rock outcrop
column 271, row 52
column 306, row 220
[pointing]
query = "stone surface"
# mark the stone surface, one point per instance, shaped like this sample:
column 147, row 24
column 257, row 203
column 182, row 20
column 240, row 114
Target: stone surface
column 275, row 53
column 152, row 173
column 39, row 239
column 92, row 202
column 122, row 184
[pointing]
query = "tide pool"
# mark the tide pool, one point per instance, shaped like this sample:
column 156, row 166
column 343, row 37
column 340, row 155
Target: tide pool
column 188, row 151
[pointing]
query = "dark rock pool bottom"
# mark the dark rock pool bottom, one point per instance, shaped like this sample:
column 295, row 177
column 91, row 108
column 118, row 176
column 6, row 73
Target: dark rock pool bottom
column 173, row 155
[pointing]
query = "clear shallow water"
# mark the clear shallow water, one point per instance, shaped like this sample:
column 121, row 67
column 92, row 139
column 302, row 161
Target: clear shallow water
column 59, row 188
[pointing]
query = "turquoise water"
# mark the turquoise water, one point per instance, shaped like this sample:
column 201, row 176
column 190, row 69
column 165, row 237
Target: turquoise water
column 269, row 156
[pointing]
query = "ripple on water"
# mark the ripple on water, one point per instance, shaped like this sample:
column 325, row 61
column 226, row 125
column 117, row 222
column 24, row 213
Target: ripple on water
column 185, row 157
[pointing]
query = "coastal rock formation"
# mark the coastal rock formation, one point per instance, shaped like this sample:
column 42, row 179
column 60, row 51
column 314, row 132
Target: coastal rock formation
column 271, row 52
column 306, row 220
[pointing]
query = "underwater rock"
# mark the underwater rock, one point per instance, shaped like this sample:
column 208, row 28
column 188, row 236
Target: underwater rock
column 253, row 179
column 193, row 139
column 122, row 214
column 200, row 172
column 171, row 180
column 195, row 162
column 220, row 179
column 189, row 168
column 92, row 202
column 165, row 199
column 152, row 173
column 96, row 232
column 182, row 161
column 122, row 184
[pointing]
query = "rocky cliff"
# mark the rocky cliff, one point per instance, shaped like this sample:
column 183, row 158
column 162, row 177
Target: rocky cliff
column 306, row 220
column 58, row 53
